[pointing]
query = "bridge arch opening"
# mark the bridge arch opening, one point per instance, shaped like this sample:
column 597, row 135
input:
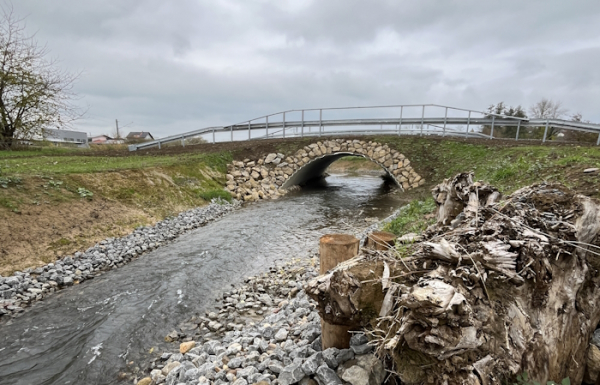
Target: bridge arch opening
column 316, row 169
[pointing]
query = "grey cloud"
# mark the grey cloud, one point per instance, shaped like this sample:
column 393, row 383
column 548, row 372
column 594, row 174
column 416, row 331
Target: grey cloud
column 175, row 66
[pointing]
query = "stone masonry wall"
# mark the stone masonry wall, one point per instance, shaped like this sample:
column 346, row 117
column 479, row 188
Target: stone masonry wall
column 252, row 180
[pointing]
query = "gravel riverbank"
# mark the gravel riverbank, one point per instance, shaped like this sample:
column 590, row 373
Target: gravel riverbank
column 266, row 331
column 24, row 288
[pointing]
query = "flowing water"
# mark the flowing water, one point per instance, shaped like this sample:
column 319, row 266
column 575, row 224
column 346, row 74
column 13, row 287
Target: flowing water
column 86, row 334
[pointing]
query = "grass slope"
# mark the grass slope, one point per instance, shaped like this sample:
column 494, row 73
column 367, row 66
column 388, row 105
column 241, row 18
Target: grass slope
column 504, row 165
column 55, row 202
column 65, row 199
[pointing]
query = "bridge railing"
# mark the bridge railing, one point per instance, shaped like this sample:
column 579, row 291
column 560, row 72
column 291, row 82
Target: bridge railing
column 408, row 119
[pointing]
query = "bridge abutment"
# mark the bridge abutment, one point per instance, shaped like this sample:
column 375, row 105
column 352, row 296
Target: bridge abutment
column 274, row 174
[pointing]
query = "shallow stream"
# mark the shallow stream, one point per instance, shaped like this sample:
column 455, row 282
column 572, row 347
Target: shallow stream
column 87, row 334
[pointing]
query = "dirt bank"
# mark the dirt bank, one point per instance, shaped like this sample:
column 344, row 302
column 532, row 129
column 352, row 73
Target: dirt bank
column 42, row 219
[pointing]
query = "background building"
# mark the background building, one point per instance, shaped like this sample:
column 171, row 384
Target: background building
column 66, row 136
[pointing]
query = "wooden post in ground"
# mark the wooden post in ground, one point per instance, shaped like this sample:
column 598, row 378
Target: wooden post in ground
column 334, row 249
column 380, row 240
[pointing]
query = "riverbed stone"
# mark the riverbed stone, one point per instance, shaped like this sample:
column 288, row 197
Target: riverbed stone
column 344, row 355
column 275, row 366
column 327, row 376
column 291, row 374
column 169, row 367
column 185, row 347
column 235, row 362
column 329, row 356
column 240, row 381
column 270, row 158
column 281, row 335
column 361, row 349
column 358, row 339
column 312, row 363
column 145, row 381
column 191, row 374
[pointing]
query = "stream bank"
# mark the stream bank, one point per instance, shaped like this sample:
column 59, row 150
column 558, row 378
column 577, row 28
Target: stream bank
column 24, row 288
column 89, row 333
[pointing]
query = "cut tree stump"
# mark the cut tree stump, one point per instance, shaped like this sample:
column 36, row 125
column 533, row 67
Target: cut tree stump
column 380, row 240
column 334, row 249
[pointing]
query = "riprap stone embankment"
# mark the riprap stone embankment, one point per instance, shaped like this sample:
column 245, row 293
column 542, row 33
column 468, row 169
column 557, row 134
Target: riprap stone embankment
column 26, row 287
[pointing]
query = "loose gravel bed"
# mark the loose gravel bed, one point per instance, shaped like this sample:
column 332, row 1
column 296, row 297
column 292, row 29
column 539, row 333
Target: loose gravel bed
column 26, row 287
column 266, row 331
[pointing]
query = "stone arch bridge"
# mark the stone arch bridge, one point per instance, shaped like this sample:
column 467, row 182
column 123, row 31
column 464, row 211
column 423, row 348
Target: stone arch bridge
column 272, row 175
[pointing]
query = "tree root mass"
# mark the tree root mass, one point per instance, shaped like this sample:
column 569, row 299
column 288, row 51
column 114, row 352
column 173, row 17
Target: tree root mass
column 494, row 289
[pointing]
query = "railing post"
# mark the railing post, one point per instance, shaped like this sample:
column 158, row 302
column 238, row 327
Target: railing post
column 231, row 127
column 468, row 124
column 284, row 124
column 400, row 121
column 213, row 135
column 182, row 141
column 422, row 119
column 159, row 144
column 518, row 129
column 598, row 141
column 545, row 131
column 267, row 127
column 248, row 130
column 302, row 130
column 445, row 120
column 320, row 120
column 492, row 131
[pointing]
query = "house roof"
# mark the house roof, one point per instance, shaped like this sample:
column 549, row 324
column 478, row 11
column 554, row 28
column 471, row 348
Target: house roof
column 139, row 135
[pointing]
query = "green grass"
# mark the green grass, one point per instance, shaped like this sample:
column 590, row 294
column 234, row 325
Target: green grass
column 215, row 193
column 412, row 217
column 159, row 184
column 49, row 164
column 46, row 151
column 507, row 168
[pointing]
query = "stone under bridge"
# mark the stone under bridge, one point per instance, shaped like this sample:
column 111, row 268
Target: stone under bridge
column 272, row 175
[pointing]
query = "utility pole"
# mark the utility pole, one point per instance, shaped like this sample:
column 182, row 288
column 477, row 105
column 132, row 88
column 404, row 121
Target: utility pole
column 117, row 123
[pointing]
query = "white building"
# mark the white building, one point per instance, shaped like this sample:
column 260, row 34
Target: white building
column 66, row 136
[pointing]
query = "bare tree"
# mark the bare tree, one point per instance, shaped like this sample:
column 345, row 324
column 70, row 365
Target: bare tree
column 547, row 109
column 580, row 136
column 34, row 93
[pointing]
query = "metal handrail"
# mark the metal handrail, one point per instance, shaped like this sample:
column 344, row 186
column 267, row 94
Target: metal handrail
column 487, row 119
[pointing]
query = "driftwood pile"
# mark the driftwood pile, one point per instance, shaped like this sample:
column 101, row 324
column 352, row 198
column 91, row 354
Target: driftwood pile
column 494, row 289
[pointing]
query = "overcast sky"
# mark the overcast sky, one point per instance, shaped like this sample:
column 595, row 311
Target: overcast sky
column 173, row 66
